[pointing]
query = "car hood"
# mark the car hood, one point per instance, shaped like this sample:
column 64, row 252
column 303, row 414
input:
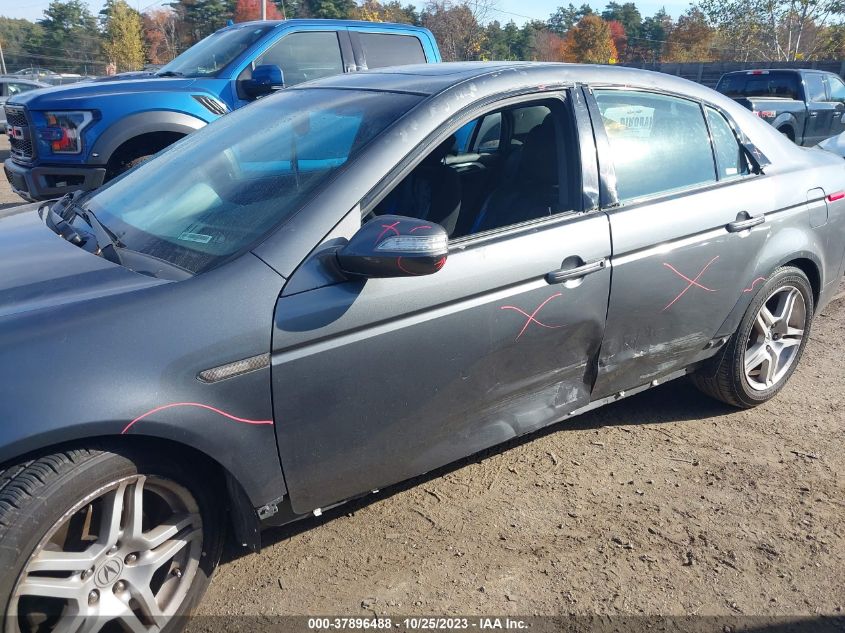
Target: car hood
column 78, row 95
column 41, row 270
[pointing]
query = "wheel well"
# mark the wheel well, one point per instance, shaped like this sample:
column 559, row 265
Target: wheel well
column 787, row 130
column 245, row 529
column 139, row 146
column 809, row 268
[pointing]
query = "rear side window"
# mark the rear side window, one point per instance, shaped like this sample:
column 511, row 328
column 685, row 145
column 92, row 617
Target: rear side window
column 383, row 49
column 763, row 84
column 658, row 143
column 814, row 83
column 730, row 160
column 305, row 56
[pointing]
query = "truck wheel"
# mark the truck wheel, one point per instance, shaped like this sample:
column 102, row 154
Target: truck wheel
column 788, row 133
column 91, row 539
column 761, row 356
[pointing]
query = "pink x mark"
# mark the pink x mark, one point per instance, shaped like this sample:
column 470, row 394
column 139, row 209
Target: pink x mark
column 386, row 228
column 692, row 282
column 531, row 318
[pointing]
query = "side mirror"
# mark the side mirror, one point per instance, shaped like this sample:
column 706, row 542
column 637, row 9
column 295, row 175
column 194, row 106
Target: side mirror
column 265, row 79
column 395, row 246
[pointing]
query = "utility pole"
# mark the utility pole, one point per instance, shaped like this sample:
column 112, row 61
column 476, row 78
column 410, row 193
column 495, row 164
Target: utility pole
column 2, row 60
column 263, row 9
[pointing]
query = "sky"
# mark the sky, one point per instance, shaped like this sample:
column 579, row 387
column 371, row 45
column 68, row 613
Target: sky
column 518, row 10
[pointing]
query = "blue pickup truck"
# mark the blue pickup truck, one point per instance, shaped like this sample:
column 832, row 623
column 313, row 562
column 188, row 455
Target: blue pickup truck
column 82, row 135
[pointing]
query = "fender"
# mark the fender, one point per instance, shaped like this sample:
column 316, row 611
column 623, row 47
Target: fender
column 788, row 119
column 138, row 124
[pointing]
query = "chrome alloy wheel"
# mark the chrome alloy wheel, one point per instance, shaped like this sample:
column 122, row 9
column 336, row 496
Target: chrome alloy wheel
column 775, row 338
column 123, row 558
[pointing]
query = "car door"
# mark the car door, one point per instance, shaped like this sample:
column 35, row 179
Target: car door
column 836, row 96
column 686, row 231
column 820, row 111
column 377, row 381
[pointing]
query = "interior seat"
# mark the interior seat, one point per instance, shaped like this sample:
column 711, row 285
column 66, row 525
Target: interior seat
column 534, row 193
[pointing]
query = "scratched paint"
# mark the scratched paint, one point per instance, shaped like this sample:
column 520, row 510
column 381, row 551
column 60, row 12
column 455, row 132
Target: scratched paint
column 228, row 416
column 690, row 282
column 532, row 318
column 754, row 283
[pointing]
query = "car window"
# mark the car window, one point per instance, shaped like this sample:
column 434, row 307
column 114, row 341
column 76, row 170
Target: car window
column 305, row 56
column 384, row 49
column 216, row 51
column 730, row 159
column 534, row 179
column 658, row 143
column 762, row 83
column 13, row 88
column 814, row 84
column 837, row 88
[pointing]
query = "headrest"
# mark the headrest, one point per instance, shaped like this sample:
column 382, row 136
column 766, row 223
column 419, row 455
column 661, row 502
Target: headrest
column 538, row 162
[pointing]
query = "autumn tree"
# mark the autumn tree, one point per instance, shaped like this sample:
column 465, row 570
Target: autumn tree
column 691, row 40
column 456, row 27
column 549, row 47
column 589, row 42
column 619, row 37
column 123, row 39
column 160, row 35
column 246, row 10
column 627, row 14
column 375, row 11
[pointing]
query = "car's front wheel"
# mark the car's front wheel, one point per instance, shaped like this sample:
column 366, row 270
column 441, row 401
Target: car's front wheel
column 93, row 539
column 765, row 350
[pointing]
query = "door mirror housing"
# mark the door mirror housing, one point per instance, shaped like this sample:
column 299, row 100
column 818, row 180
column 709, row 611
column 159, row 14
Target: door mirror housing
column 265, row 79
column 395, row 246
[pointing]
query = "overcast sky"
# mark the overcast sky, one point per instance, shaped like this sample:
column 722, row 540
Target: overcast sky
column 518, row 10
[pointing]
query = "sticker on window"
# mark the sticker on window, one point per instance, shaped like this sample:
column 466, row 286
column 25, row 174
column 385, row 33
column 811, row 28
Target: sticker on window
column 630, row 121
column 195, row 237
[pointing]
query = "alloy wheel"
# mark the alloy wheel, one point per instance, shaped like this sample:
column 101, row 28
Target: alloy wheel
column 123, row 558
column 775, row 338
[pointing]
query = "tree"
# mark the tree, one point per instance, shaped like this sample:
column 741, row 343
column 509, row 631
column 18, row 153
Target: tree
column 564, row 18
column 19, row 38
column 329, row 9
column 549, row 47
column 691, row 40
column 626, row 14
column 648, row 46
column 160, row 35
column 393, row 11
column 246, row 10
column 71, row 36
column 619, row 37
column 199, row 18
column 123, row 41
column 590, row 42
column 779, row 30
column 456, row 28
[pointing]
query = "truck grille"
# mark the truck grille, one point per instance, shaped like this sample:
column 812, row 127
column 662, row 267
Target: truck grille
column 20, row 138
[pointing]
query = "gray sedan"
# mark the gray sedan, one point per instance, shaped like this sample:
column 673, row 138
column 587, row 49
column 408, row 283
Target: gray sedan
column 363, row 278
column 9, row 87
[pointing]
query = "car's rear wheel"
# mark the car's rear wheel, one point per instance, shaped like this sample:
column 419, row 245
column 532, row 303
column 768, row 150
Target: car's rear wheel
column 94, row 540
column 765, row 350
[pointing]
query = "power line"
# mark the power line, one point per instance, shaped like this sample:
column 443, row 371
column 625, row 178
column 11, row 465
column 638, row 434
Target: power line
column 27, row 53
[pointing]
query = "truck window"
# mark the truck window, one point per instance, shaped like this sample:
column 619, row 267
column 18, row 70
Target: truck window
column 305, row 56
column 760, row 84
column 216, row 51
column 814, row 84
column 384, row 49
column 837, row 88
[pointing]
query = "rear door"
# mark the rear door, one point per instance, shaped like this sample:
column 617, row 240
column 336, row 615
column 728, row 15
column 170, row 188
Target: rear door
column 820, row 111
column 686, row 232
column 836, row 96
column 377, row 381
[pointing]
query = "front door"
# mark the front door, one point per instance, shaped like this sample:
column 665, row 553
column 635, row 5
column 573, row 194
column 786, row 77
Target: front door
column 377, row 381
column 686, row 234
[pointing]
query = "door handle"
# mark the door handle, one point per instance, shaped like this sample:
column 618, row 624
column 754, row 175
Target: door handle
column 565, row 274
column 742, row 225
column 814, row 114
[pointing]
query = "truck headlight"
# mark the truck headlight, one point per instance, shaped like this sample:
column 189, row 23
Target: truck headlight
column 64, row 130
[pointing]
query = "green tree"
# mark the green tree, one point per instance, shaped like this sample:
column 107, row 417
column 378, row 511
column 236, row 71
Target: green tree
column 564, row 18
column 123, row 40
column 20, row 38
column 590, row 42
column 626, row 14
column 200, row 18
column 71, row 38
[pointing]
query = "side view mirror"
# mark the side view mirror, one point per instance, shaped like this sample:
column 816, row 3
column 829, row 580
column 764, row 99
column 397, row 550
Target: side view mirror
column 395, row 246
column 265, row 79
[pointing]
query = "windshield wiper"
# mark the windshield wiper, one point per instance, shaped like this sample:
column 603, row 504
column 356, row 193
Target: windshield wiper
column 59, row 216
column 107, row 241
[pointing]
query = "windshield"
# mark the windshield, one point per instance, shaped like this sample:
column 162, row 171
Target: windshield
column 216, row 192
column 762, row 84
column 215, row 52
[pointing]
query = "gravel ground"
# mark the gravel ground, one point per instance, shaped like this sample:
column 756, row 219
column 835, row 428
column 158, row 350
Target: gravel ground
column 666, row 503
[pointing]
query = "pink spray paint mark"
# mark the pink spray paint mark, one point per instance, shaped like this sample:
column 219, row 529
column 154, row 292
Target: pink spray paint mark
column 754, row 283
column 691, row 282
column 417, row 228
column 386, row 228
column 193, row 404
column 532, row 318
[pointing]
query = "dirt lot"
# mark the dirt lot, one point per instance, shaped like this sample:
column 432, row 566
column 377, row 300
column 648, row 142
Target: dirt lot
column 665, row 503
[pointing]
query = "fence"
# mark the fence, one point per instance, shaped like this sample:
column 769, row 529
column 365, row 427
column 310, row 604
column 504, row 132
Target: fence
column 708, row 73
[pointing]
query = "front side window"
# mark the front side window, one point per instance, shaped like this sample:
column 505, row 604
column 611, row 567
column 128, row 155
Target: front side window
column 521, row 169
column 814, row 84
column 305, row 56
column 216, row 192
column 215, row 52
column 13, row 88
column 837, row 89
column 658, row 143
column 384, row 49
column 730, row 159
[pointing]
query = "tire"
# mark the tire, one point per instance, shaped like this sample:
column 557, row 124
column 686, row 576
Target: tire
column 126, row 164
column 734, row 376
column 788, row 133
column 111, row 570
